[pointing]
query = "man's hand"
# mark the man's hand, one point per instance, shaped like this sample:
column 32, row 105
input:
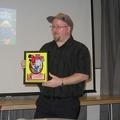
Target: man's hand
column 54, row 82
column 23, row 64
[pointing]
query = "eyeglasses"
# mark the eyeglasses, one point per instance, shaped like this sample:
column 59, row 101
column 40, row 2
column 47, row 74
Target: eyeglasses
column 57, row 27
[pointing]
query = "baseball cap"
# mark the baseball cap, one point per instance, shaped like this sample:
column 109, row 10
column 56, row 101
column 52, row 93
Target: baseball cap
column 63, row 17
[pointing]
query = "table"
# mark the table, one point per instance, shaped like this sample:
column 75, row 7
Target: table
column 47, row 119
column 30, row 103
column 98, row 100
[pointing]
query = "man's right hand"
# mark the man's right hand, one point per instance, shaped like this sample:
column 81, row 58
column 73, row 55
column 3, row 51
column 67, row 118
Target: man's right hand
column 23, row 64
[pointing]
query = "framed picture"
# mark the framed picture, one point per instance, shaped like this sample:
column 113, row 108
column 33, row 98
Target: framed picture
column 36, row 70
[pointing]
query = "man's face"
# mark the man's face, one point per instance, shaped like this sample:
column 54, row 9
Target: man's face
column 60, row 30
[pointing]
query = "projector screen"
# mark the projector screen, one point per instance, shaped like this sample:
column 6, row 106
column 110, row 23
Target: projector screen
column 23, row 27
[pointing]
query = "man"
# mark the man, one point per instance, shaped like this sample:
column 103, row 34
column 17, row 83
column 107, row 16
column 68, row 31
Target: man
column 68, row 66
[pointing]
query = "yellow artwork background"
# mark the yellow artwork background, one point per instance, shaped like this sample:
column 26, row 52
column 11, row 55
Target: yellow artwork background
column 44, row 70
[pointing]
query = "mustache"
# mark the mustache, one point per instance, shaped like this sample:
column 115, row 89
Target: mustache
column 55, row 33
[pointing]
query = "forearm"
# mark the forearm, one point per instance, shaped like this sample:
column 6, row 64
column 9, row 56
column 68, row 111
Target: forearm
column 74, row 79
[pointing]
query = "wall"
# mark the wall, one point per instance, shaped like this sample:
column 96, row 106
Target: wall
column 93, row 112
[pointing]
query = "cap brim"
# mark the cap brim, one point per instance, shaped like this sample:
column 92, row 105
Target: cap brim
column 50, row 19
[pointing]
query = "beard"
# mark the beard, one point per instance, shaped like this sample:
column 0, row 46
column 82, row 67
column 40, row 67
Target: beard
column 56, row 37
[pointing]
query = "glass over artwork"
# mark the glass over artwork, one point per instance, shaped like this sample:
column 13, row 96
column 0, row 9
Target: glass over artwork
column 36, row 67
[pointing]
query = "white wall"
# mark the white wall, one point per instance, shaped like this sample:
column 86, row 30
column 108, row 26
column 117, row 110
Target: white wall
column 93, row 112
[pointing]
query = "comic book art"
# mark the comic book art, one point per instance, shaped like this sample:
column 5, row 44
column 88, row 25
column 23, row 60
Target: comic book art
column 36, row 67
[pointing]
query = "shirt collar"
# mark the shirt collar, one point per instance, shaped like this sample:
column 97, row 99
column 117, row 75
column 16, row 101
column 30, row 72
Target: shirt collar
column 69, row 42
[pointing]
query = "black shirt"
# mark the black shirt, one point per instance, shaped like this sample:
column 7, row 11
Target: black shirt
column 72, row 57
